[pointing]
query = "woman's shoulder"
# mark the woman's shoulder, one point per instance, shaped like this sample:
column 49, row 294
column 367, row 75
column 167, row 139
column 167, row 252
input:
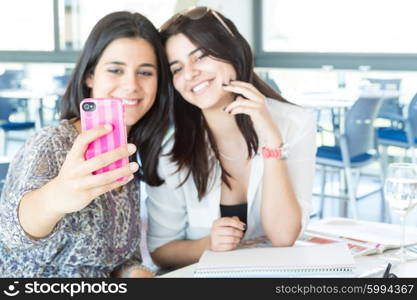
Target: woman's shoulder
column 284, row 112
column 63, row 131
column 54, row 137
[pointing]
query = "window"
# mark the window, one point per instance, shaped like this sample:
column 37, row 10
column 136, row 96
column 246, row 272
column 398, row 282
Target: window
column 80, row 16
column 55, row 30
column 22, row 29
column 345, row 34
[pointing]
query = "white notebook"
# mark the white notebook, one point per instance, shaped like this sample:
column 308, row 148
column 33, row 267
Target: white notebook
column 330, row 260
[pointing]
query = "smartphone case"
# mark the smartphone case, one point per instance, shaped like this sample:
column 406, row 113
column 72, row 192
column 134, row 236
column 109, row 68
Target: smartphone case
column 107, row 111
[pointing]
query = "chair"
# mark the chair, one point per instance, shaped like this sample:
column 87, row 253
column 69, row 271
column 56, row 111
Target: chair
column 11, row 79
column 355, row 148
column 403, row 138
column 7, row 108
column 61, row 83
column 391, row 108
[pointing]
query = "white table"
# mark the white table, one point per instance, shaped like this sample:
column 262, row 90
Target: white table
column 374, row 232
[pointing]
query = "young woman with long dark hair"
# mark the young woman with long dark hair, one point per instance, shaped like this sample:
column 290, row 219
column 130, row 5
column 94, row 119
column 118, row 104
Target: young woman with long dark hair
column 57, row 219
column 241, row 162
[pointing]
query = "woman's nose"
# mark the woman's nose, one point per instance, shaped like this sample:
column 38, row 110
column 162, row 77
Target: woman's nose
column 131, row 83
column 190, row 72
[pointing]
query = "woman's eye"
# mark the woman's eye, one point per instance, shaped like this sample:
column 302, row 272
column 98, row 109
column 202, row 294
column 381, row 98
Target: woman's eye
column 146, row 73
column 175, row 71
column 200, row 57
column 115, row 71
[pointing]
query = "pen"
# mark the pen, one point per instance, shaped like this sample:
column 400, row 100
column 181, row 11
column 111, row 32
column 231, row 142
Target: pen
column 378, row 271
column 387, row 273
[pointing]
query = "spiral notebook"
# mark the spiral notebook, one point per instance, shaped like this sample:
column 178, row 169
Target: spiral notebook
column 330, row 260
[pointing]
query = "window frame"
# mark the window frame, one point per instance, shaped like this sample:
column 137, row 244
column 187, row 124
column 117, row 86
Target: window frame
column 55, row 56
column 306, row 60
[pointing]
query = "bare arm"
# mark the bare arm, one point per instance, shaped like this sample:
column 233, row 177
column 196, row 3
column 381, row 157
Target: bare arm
column 280, row 211
column 281, row 214
column 74, row 187
column 180, row 253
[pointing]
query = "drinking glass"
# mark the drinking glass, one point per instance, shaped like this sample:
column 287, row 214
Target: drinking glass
column 400, row 191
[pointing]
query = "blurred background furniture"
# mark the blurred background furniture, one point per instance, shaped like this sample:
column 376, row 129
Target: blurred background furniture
column 356, row 148
column 7, row 108
column 4, row 166
column 404, row 136
column 391, row 109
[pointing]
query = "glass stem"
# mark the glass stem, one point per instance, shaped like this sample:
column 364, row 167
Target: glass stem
column 402, row 241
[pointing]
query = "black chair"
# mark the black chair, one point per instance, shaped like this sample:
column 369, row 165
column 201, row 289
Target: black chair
column 356, row 148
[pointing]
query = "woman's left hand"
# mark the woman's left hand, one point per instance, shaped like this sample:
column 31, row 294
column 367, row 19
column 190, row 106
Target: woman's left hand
column 253, row 104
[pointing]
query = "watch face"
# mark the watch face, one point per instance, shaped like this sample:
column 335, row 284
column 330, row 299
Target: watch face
column 285, row 149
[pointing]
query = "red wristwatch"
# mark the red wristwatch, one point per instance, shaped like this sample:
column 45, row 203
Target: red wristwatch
column 280, row 153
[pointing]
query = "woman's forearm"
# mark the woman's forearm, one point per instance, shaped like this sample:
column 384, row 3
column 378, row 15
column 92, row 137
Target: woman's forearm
column 180, row 253
column 280, row 211
column 35, row 214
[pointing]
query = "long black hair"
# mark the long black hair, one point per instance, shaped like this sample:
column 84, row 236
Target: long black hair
column 219, row 38
column 148, row 133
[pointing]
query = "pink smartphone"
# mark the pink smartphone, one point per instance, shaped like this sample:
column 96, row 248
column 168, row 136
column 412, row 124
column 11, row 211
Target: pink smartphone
column 98, row 112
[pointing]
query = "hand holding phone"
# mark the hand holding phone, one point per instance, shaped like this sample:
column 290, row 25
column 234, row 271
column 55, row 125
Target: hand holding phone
column 98, row 112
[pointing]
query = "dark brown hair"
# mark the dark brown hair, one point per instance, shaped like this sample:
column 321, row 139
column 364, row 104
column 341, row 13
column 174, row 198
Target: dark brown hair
column 148, row 133
column 225, row 43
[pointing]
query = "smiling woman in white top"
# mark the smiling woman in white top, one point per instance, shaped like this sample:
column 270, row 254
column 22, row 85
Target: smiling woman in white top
column 240, row 164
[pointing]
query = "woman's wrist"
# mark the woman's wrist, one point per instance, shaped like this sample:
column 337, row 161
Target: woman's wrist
column 272, row 140
column 48, row 195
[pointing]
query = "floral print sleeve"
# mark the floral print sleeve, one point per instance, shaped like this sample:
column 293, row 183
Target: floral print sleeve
column 33, row 166
column 92, row 242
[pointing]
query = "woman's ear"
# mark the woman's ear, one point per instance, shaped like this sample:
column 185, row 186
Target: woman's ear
column 89, row 81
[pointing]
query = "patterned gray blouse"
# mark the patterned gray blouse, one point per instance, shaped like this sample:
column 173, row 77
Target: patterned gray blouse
column 92, row 242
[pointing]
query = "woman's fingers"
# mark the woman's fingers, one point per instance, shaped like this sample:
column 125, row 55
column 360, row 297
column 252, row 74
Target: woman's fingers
column 86, row 137
column 226, row 233
column 94, row 181
column 250, row 95
column 229, row 231
column 95, row 192
column 240, row 103
column 107, row 158
column 225, row 243
column 228, row 240
column 246, row 85
column 232, row 222
column 245, row 89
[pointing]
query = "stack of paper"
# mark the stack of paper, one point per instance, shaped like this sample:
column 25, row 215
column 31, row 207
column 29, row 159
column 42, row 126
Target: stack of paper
column 363, row 237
